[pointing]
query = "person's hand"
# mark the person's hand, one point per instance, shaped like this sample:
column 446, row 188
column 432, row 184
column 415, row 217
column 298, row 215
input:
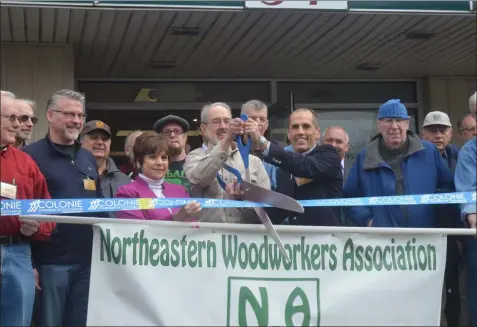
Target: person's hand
column 236, row 127
column 252, row 128
column 370, row 224
column 234, row 191
column 28, row 227
column 188, row 211
column 471, row 219
column 37, row 283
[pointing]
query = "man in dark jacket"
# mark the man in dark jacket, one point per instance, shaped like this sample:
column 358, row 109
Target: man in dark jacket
column 96, row 137
column 311, row 171
column 64, row 262
column 396, row 162
column 437, row 129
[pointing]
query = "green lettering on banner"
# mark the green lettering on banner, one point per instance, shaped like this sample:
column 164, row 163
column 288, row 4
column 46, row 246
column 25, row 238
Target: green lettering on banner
column 273, row 301
column 265, row 255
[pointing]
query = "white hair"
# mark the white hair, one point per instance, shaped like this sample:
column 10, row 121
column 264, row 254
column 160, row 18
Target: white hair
column 127, row 141
column 255, row 105
column 8, row 94
column 473, row 101
column 204, row 114
column 336, row 127
column 30, row 103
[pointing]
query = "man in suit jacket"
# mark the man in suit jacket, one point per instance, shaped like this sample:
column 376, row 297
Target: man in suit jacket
column 337, row 137
column 311, row 171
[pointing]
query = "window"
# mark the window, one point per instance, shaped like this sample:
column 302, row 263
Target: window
column 347, row 92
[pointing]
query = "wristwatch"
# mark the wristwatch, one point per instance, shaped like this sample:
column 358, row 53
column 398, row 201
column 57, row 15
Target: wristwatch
column 262, row 140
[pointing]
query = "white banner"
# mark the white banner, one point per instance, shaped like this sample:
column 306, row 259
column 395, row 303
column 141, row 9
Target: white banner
column 297, row 4
column 149, row 275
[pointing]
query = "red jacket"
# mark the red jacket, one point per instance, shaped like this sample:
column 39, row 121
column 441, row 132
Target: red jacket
column 19, row 168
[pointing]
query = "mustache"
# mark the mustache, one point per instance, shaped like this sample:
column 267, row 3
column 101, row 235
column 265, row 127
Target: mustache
column 222, row 131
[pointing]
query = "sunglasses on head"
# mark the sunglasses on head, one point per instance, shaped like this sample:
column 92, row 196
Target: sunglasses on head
column 24, row 118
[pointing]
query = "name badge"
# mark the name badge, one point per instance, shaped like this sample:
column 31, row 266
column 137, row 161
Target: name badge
column 89, row 185
column 302, row 181
column 8, row 191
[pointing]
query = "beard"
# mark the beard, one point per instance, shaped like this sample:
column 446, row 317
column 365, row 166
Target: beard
column 174, row 151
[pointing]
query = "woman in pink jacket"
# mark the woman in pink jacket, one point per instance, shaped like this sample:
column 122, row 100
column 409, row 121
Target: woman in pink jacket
column 150, row 154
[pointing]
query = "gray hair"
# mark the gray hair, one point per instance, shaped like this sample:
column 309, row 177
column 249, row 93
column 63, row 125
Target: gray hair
column 473, row 100
column 204, row 113
column 8, row 94
column 130, row 135
column 65, row 93
column 255, row 105
column 337, row 127
column 31, row 103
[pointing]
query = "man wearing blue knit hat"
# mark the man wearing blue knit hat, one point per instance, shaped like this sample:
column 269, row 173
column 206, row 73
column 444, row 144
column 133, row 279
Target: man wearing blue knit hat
column 396, row 162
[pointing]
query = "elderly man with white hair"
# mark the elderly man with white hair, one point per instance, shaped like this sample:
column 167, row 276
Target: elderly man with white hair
column 465, row 181
column 20, row 179
column 27, row 121
column 201, row 166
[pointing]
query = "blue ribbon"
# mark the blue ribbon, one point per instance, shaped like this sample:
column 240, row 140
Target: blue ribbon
column 69, row 206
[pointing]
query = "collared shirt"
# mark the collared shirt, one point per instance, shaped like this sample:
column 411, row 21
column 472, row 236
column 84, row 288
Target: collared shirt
column 19, row 169
column 465, row 174
column 342, row 167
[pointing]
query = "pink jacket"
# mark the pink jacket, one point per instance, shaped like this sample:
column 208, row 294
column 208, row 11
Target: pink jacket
column 139, row 189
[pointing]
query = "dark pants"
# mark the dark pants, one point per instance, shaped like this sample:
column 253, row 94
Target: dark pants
column 63, row 299
column 451, row 281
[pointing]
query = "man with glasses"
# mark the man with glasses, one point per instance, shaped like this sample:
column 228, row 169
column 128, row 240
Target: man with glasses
column 201, row 166
column 96, row 137
column 174, row 129
column 467, row 128
column 20, row 179
column 396, row 162
column 27, row 120
column 64, row 263
column 437, row 129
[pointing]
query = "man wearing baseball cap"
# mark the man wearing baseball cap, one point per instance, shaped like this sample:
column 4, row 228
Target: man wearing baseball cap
column 396, row 162
column 174, row 129
column 437, row 129
column 96, row 137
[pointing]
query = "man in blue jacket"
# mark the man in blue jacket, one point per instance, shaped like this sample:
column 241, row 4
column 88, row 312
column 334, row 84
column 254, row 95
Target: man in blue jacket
column 437, row 129
column 311, row 171
column 64, row 262
column 465, row 181
column 396, row 162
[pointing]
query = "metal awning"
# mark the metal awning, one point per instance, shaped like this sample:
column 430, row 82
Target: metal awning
column 250, row 44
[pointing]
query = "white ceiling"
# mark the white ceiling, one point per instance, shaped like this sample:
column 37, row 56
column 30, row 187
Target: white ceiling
column 243, row 44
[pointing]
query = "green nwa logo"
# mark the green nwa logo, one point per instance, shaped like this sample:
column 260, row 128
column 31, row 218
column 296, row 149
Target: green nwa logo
column 273, row 302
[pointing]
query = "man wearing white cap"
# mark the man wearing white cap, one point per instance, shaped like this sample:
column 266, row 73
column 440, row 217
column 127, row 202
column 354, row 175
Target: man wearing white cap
column 437, row 129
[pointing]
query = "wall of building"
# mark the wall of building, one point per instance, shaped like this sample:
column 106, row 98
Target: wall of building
column 35, row 71
column 450, row 95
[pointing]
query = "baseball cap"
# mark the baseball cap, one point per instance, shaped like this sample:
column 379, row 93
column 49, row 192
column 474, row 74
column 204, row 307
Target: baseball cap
column 96, row 125
column 159, row 125
column 393, row 109
column 437, row 118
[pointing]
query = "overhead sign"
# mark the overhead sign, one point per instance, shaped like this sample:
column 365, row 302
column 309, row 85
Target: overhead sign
column 425, row 6
column 294, row 4
column 130, row 3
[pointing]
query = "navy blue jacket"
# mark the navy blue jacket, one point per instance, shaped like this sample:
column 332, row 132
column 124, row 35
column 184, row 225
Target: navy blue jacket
column 69, row 243
column 320, row 178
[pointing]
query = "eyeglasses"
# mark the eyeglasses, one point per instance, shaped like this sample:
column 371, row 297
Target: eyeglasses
column 12, row 118
column 71, row 115
column 24, row 119
column 435, row 129
column 468, row 129
column 390, row 121
column 217, row 122
column 176, row 131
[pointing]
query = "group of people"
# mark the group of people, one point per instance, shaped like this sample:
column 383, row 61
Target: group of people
column 45, row 267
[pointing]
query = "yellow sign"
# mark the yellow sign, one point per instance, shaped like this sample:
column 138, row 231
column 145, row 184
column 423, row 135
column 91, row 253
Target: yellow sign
column 144, row 95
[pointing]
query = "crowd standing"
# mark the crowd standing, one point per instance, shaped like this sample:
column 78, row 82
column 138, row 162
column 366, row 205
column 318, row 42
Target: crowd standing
column 45, row 267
